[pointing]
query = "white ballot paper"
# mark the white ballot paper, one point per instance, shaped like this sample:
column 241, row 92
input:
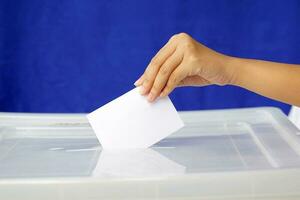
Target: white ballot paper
column 130, row 121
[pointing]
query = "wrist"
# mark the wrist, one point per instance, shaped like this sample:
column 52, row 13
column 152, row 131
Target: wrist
column 233, row 70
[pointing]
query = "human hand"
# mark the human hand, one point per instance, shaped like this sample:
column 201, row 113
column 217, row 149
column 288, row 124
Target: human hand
column 183, row 62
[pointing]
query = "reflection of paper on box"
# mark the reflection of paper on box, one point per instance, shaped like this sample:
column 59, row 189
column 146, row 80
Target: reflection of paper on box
column 130, row 121
column 135, row 163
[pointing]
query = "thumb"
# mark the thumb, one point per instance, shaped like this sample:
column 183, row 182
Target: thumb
column 193, row 81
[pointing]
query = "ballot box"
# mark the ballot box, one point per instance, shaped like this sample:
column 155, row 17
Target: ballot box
column 222, row 154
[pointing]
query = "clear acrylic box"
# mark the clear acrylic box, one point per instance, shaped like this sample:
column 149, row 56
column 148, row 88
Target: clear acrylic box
column 222, row 154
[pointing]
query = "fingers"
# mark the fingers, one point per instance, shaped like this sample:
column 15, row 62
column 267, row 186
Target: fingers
column 164, row 73
column 139, row 82
column 148, row 77
column 154, row 66
column 175, row 78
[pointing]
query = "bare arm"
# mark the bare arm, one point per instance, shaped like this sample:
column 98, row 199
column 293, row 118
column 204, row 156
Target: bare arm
column 185, row 62
column 274, row 80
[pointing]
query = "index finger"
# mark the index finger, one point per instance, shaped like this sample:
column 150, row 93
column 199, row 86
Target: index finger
column 156, row 62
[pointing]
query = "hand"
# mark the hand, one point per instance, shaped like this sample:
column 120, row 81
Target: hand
column 183, row 62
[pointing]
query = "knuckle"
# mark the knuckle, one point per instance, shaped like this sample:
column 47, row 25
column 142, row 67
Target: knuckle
column 189, row 45
column 180, row 36
column 146, row 82
column 174, row 37
column 184, row 36
column 154, row 62
column 168, row 88
column 154, row 89
column 164, row 71
column 172, row 81
column 148, row 72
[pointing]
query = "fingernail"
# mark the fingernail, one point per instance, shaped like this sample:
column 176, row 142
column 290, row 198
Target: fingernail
column 150, row 97
column 137, row 82
column 142, row 90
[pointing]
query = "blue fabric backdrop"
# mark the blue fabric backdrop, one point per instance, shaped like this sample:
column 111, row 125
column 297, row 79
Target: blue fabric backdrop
column 76, row 55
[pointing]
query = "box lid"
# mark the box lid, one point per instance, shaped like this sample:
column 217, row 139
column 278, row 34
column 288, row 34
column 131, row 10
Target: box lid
column 233, row 153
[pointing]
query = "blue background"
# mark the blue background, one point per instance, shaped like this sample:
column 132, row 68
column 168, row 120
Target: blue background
column 76, row 55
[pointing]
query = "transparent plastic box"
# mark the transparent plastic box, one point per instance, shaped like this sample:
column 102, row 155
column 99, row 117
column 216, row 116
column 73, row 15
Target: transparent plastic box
column 223, row 154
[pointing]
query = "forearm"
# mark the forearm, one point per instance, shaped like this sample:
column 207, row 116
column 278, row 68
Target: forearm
column 274, row 80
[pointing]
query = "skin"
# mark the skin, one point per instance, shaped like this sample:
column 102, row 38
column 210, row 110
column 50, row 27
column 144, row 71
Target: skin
column 185, row 62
